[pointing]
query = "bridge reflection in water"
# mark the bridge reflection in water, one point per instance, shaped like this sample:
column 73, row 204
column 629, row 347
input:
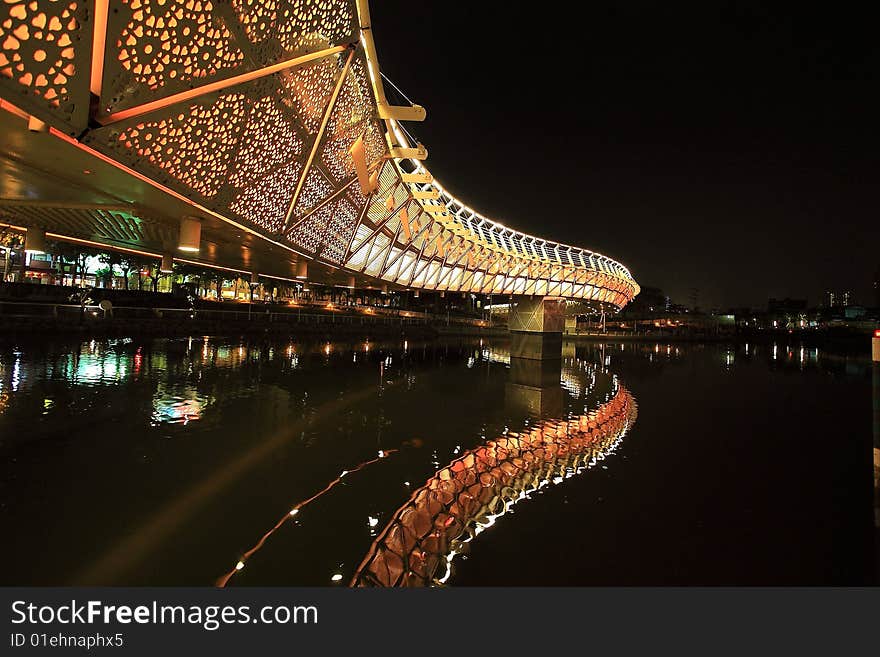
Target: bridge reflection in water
column 164, row 462
column 461, row 500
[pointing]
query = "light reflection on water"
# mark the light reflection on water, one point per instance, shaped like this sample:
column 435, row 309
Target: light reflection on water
column 179, row 404
column 84, row 427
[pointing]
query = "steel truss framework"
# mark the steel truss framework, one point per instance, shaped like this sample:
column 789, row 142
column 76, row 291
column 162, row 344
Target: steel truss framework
column 271, row 115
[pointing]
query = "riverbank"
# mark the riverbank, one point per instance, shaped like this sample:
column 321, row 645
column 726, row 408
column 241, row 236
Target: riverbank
column 91, row 324
column 849, row 341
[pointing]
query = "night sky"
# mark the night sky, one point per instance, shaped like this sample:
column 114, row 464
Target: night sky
column 725, row 147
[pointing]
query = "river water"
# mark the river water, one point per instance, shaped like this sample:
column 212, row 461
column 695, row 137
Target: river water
column 210, row 460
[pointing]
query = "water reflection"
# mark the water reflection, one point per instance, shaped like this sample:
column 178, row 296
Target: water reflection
column 533, row 387
column 548, row 450
column 178, row 404
column 98, row 425
column 467, row 496
column 299, row 506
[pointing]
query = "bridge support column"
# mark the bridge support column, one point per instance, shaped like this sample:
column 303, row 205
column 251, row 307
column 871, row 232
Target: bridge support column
column 536, row 326
column 533, row 387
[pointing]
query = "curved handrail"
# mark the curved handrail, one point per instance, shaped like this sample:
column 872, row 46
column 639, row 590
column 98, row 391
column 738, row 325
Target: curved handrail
column 486, row 231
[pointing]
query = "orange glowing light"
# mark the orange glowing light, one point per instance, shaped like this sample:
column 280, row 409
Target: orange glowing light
column 301, row 180
column 294, row 511
column 447, row 503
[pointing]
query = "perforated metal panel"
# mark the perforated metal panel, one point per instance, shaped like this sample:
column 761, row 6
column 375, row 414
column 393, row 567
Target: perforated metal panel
column 45, row 59
column 187, row 102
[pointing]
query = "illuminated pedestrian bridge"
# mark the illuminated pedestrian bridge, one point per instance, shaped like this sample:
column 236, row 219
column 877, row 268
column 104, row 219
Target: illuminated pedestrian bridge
column 249, row 135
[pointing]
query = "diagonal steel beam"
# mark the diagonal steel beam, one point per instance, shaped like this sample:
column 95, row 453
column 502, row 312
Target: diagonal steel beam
column 318, row 138
column 425, row 241
column 335, row 195
column 219, row 85
column 412, row 241
column 375, row 231
column 383, row 269
column 362, row 214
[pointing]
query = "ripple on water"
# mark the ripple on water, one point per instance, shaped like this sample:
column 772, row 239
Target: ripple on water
column 178, row 405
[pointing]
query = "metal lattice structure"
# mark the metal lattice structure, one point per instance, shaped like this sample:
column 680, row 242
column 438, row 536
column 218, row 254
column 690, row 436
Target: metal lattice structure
column 270, row 115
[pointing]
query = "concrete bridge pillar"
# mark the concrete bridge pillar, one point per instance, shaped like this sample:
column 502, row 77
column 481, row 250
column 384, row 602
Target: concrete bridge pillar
column 536, row 325
column 533, row 387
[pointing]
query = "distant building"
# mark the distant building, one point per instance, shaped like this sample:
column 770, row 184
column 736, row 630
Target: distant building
column 854, row 312
column 837, row 299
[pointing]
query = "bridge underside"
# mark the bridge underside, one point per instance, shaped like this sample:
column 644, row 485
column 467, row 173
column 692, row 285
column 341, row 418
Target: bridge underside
column 268, row 124
column 52, row 183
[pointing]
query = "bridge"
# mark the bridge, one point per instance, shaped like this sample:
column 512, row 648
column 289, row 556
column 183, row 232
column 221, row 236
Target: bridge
column 251, row 136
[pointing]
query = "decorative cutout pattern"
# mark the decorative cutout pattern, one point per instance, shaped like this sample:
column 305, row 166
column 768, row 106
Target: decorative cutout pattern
column 268, row 141
column 243, row 150
column 181, row 40
column 265, row 203
column 40, row 55
column 258, row 17
column 310, row 234
column 194, row 147
column 297, row 24
column 339, row 230
column 164, row 46
column 307, row 91
column 313, row 24
column 351, row 119
column 315, row 189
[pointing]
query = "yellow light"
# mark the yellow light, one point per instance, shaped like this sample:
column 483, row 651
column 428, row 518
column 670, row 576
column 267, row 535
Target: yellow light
column 190, row 234
column 239, row 565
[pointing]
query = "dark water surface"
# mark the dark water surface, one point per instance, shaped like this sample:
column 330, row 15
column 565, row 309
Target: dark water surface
column 167, row 461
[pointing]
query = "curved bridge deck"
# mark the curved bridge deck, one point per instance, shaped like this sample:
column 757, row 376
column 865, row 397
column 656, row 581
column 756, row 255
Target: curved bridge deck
column 268, row 122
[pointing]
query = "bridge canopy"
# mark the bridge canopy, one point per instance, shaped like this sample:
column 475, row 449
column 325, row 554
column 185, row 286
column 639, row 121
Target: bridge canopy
column 267, row 121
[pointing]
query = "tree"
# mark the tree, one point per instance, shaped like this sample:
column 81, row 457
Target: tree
column 151, row 268
column 111, row 259
column 10, row 240
column 82, row 261
column 67, row 254
column 126, row 264
column 105, row 274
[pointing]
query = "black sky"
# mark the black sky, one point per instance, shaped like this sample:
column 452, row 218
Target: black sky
column 729, row 147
